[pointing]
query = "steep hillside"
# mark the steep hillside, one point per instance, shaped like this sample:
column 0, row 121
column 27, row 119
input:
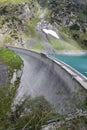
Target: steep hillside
column 44, row 2
column 81, row 1
column 17, row 21
column 70, row 16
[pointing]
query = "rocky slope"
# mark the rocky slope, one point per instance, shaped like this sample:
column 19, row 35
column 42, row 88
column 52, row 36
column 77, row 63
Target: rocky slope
column 70, row 16
column 16, row 21
column 44, row 2
column 81, row 1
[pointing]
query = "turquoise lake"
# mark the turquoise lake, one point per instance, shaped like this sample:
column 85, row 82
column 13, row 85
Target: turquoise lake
column 78, row 62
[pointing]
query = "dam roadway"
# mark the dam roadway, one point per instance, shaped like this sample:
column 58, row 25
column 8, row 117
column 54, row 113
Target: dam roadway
column 44, row 77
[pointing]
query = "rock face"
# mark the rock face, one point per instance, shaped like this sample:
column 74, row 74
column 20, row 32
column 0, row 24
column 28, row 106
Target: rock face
column 3, row 75
column 71, row 16
column 13, row 19
column 69, row 13
column 15, row 10
column 81, row 1
column 76, row 1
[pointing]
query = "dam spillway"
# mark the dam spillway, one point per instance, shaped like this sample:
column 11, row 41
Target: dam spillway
column 42, row 76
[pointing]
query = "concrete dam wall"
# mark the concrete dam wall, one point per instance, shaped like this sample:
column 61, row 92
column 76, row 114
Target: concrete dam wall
column 43, row 76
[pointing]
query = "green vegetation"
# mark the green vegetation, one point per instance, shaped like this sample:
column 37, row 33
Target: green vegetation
column 30, row 25
column 70, row 43
column 33, row 117
column 78, row 123
column 38, row 110
column 83, row 105
column 38, row 45
column 13, row 62
column 16, row 23
column 14, row 1
column 11, row 59
column 80, row 37
column 74, row 38
column 64, row 43
column 7, row 39
column 55, row 43
column 29, row 114
column 71, row 17
column 8, row 90
column 7, row 94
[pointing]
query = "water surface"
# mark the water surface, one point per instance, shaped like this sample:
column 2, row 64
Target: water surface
column 78, row 62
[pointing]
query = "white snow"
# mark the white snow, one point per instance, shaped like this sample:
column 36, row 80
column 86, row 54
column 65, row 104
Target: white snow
column 51, row 32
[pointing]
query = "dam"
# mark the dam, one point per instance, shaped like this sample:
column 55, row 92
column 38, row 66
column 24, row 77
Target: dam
column 63, row 88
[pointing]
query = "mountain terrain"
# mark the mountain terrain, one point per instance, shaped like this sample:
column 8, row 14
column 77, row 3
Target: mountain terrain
column 22, row 23
column 70, row 16
column 19, row 20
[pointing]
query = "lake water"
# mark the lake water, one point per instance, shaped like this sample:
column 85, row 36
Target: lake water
column 78, row 62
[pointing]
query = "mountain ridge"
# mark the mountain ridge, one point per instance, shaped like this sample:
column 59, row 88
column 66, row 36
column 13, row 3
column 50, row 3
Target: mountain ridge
column 18, row 21
column 70, row 16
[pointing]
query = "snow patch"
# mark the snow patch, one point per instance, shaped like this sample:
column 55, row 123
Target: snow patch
column 51, row 32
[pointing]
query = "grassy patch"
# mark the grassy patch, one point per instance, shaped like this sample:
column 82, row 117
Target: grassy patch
column 64, row 43
column 33, row 119
column 55, row 43
column 30, row 26
column 31, row 23
column 11, row 59
column 70, row 43
column 38, row 45
column 5, row 104
column 8, row 91
column 75, row 38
